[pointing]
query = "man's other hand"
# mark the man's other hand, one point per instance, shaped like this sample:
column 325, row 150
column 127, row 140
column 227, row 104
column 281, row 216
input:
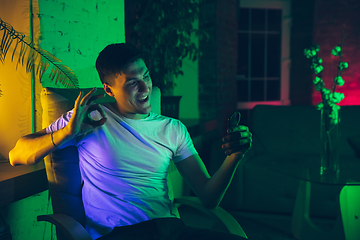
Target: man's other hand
column 238, row 141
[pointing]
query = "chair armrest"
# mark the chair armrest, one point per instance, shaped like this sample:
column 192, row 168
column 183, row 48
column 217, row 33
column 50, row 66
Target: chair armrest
column 67, row 225
column 218, row 213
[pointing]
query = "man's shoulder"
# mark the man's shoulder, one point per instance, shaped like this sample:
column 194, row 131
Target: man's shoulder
column 159, row 117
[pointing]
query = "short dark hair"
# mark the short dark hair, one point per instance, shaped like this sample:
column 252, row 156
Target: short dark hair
column 113, row 58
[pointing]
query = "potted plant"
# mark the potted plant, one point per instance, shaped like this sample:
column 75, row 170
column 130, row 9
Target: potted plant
column 163, row 30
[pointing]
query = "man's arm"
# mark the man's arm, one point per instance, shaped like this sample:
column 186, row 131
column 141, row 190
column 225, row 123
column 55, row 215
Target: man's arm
column 211, row 190
column 31, row 148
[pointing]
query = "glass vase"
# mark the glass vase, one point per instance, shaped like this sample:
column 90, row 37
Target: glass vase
column 330, row 133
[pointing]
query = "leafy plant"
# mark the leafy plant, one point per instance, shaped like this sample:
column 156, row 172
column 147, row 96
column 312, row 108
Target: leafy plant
column 33, row 57
column 163, row 30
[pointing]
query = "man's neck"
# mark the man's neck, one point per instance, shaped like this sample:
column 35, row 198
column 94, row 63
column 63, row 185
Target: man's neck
column 133, row 116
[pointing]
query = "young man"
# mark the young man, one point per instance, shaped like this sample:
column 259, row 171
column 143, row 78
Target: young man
column 125, row 155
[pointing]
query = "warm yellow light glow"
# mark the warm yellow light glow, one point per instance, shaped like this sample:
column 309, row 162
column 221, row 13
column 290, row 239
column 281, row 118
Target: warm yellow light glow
column 15, row 83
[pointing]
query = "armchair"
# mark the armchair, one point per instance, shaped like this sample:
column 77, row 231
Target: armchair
column 65, row 181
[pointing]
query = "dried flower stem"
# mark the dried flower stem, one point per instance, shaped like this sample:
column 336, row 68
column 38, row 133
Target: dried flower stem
column 340, row 59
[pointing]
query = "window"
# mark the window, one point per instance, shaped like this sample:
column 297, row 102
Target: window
column 263, row 55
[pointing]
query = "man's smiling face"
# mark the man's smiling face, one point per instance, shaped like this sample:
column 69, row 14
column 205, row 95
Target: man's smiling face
column 132, row 89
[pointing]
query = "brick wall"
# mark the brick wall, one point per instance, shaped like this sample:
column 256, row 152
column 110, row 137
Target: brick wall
column 217, row 67
column 313, row 21
column 76, row 31
column 331, row 17
column 301, row 85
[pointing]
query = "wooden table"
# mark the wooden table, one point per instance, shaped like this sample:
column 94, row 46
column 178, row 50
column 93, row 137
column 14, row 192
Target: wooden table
column 20, row 182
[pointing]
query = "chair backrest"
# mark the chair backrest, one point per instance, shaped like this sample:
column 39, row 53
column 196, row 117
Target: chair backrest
column 62, row 166
column 286, row 129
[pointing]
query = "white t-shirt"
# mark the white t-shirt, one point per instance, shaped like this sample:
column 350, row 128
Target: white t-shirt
column 124, row 166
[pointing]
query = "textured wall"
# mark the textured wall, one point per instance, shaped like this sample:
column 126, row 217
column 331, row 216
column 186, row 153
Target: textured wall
column 301, row 86
column 331, row 17
column 187, row 86
column 76, row 31
column 217, row 67
column 21, row 217
column 15, row 82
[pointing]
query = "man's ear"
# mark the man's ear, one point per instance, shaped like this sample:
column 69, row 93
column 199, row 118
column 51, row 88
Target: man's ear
column 108, row 89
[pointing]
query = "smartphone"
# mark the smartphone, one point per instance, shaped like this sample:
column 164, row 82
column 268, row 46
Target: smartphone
column 234, row 120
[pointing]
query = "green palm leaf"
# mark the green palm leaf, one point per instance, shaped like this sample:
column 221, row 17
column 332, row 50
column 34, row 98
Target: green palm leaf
column 33, row 57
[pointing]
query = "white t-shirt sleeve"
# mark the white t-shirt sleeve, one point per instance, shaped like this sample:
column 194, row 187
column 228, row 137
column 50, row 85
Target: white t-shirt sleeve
column 60, row 123
column 185, row 147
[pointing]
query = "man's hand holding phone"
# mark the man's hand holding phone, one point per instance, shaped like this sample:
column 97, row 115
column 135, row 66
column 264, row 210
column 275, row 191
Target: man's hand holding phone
column 238, row 140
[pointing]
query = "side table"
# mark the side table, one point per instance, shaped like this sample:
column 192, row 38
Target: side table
column 347, row 225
